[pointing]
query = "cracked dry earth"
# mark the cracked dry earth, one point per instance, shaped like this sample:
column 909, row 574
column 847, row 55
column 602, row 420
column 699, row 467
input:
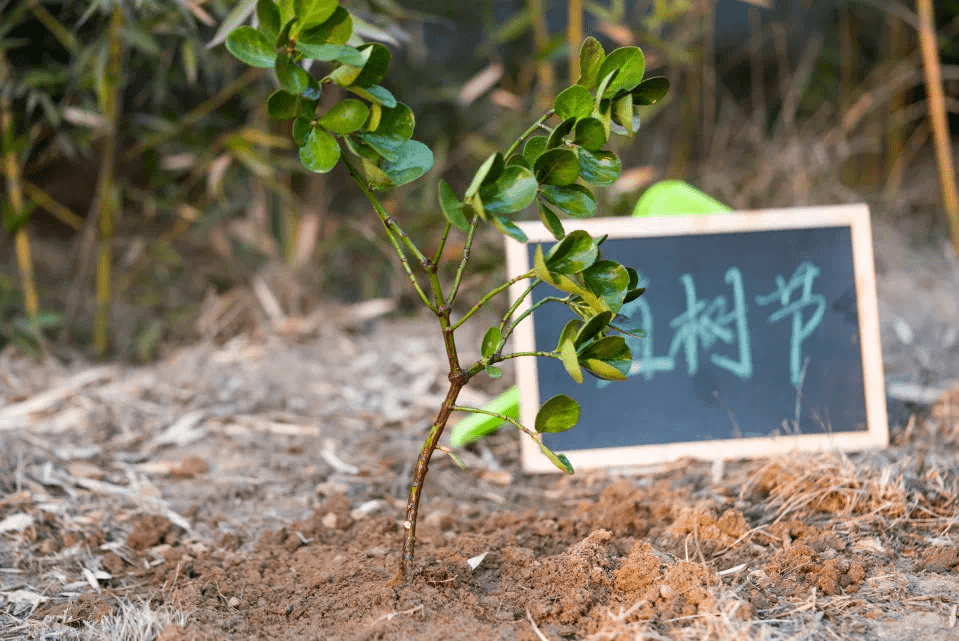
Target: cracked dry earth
column 255, row 490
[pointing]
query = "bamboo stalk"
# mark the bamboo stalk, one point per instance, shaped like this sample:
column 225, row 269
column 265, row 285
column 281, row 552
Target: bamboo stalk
column 898, row 50
column 45, row 200
column 11, row 169
column 937, row 116
column 574, row 35
column 544, row 70
column 108, row 97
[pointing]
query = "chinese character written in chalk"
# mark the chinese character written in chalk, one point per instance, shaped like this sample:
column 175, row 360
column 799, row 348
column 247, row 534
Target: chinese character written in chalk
column 723, row 321
column 703, row 323
column 706, row 322
column 801, row 284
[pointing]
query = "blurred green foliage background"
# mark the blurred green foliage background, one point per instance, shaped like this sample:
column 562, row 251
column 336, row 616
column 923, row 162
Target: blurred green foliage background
column 148, row 199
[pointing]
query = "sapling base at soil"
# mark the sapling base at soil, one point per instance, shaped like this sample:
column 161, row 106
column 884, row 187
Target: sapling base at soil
column 551, row 166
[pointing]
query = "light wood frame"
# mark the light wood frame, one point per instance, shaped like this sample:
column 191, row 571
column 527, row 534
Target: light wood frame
column 856, row 217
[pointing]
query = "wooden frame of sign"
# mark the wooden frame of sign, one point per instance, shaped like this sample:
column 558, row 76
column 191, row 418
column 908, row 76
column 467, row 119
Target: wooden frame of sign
column 715, row 229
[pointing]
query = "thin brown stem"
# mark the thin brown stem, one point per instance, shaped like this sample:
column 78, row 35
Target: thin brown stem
column 457, row 381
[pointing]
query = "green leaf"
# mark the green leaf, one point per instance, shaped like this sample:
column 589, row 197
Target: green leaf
column 513, row 191
column 283, row 38
column 572, row 284
column 576, row 252
column 631, row 65
column 602, row 369
column 591, row 57
column 563, row 128
column 490, row 341
column 335, row 31
column 375, row 93
column 252, row 47
column 310, row 13
column 539, row 265
column 346, row 75
column 567, row 353
column 239, row 13
column 534, row 148
column 559, row 460
column 518, row 159
column 301, row 129
column 558, row 414
column 306, row 108
column 552, row 222
column 396, row 127
column 651, row 91
column 604, row 114
column 574, row 200
column 491, row 168
column 570, row 330
column 452, row 207
column 493, row 371
column 329, row 53
column 590, row 134
column 345, row 117
column 506, row 226
column 313, row 91
column 557, row 167
column 633, row 294
column 268, row 15
column 411, row 160
column 600, row 168
column 573, row 102
column 607, row 358
column 377, row 178
column 292, row 76
column 377, row 64
column 619, row 129
column 623, row 113
column 456, row 459
column 282, row 105
column 592, row 328
column 608, row 280
column 321, row 151
column 286, row 10
column 607, row 79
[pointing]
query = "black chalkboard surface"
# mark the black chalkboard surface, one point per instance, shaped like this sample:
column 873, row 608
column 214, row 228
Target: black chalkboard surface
column 762, row 337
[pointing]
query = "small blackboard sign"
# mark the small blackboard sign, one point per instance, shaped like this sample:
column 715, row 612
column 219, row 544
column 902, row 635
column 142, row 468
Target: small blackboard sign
column 762, row 337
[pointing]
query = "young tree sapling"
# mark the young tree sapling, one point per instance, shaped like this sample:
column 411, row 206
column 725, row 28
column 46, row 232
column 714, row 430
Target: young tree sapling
column 552, row 164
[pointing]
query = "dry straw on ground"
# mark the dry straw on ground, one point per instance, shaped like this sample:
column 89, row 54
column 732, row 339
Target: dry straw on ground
column 255, row 488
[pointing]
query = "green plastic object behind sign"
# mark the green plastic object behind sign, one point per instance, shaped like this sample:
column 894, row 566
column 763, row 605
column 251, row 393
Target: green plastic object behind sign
column 665, row 198
column 676, row 198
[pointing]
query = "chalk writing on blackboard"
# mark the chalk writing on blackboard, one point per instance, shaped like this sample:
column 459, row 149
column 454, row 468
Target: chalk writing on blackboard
column 803, row 278
column 707, row 323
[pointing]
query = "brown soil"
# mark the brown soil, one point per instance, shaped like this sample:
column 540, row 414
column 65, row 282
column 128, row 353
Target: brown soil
column 264, row 519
